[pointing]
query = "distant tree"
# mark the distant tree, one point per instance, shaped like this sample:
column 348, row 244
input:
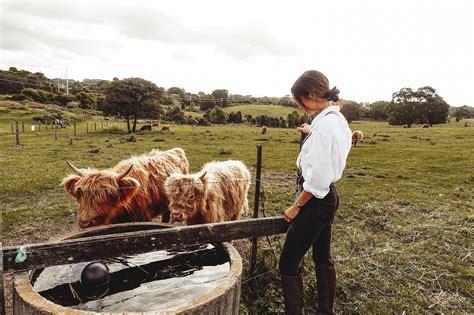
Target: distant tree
column 287, row 100
column 175, row 114
column 352, row 110
column 176, row 91
column 378, row 110
column 402, row 110
column 420, row 106
column 462, row 112
column 430, row 108
column 216, row 116
column 207, row 102
column 222, row 97
column 235, row 118
column 131, row 98
column 294, row 119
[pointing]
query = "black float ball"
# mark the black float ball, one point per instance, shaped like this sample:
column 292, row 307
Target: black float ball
column 95, row 278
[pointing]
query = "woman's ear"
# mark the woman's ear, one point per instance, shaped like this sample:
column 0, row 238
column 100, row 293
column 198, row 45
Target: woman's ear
column 69, row 184
column 128, row 187
column 312, row 96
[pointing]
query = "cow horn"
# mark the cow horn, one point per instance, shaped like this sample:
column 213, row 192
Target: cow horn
column 202, row 176
column 74, row 168
column 125, row 173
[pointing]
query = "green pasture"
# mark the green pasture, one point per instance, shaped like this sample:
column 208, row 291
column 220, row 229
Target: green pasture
column 402, row 237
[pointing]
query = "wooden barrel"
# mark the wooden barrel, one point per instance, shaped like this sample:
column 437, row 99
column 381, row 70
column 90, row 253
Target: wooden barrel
column 223, row 299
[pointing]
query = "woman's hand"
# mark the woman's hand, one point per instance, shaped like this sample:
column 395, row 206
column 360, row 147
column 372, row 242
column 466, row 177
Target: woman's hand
column 291, row 213
column 304, row 128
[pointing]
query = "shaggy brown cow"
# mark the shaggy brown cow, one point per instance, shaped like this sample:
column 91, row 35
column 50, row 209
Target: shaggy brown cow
column 165, row 128
column 217, row 193
column 264, row 130
column 356, row 137
column 132, row 191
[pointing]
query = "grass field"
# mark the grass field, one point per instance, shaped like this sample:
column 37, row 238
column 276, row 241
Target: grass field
column 402, row 237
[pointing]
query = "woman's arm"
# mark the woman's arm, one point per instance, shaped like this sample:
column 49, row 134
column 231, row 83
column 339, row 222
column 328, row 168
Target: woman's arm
column 293, row 211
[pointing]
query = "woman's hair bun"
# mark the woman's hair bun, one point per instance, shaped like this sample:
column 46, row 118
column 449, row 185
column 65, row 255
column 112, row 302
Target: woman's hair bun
column 332, row 94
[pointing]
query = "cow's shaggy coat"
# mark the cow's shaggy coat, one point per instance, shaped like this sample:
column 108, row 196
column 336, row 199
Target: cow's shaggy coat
column 132, row 191
column 217, row 193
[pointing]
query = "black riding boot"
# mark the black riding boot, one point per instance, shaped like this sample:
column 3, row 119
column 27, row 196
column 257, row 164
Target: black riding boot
column 326, row 284
column 293, row 294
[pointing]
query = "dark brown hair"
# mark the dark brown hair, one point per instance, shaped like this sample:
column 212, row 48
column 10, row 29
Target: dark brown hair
column 315, row 82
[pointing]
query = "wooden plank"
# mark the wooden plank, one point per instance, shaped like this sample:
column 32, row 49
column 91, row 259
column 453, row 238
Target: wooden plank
column 131, row 243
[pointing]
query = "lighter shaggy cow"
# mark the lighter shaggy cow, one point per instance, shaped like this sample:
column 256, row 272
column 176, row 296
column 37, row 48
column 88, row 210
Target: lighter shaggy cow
column 132, row 191
column 264, row 130
column 165, row 128
column 356, row 137
column 217, row 193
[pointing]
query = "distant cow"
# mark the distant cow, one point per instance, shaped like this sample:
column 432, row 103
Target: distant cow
column 217, row 193
column 264, row 130
column 356, row 137
column 165, row 128
column 132, row 191
column 145, row 127
column 426, row 126
column 405, row 126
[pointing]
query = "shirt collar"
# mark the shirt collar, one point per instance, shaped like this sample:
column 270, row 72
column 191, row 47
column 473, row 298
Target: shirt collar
column 317, row 119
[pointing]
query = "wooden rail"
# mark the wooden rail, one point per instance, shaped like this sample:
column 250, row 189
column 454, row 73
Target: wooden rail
column 131, row 243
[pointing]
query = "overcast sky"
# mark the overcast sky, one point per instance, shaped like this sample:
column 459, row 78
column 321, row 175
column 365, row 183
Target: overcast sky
column 368, row 49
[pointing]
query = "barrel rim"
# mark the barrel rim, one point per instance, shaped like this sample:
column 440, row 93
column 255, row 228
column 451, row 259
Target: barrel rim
column 24, row 289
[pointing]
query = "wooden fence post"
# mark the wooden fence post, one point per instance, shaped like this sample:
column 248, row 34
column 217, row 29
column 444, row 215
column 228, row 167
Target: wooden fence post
column 56, row 132
column 13, row 131
column 87, row 127
column 39, row 125
column 253, row 258
column 23, row 126
column 74, row 128
column 95, row 126
column 17, row 133
column 2, row 294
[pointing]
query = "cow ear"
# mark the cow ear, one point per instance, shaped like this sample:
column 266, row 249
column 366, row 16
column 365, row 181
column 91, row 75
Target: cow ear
column 69, row 184
column 128, row 187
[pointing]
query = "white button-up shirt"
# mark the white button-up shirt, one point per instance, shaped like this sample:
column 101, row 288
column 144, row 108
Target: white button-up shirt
column 324, row 153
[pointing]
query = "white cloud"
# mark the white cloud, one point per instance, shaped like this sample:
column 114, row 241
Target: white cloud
column 369, row 49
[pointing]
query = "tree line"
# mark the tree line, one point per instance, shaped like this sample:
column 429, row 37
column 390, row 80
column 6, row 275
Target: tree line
column 136, row 98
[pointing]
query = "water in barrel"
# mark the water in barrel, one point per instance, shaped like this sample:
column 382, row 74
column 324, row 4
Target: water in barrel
column 141, row 283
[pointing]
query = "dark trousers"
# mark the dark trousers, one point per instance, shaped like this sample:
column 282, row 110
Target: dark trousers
column 311, row 227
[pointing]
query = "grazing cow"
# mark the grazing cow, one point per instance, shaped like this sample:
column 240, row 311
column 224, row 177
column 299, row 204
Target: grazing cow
column 356, row 137
column 426, row 126
column 405, row 126
column 217, row 193
column 145, row 127
column 165, row 128
column 264, row 130
column 132, row 191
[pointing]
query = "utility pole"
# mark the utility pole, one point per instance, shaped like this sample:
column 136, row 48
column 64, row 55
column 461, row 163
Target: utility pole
column 67, row 83
column 58, row 85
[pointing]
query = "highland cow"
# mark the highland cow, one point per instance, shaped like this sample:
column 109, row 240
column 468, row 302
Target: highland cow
column 165, row 128
column 356, row 137
column 264, row 130
column 132, row 191
column 217, row 193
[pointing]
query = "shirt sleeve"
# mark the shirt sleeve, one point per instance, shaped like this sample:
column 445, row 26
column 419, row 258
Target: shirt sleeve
column 317, row 166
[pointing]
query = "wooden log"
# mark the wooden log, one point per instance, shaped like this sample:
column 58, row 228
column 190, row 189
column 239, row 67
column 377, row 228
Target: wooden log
column 131, row 243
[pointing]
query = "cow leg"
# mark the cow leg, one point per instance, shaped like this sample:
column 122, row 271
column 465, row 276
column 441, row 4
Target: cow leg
column 166, row 217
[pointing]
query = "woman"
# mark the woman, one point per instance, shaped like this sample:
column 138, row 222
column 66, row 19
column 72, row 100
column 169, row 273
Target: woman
column 321, row 161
